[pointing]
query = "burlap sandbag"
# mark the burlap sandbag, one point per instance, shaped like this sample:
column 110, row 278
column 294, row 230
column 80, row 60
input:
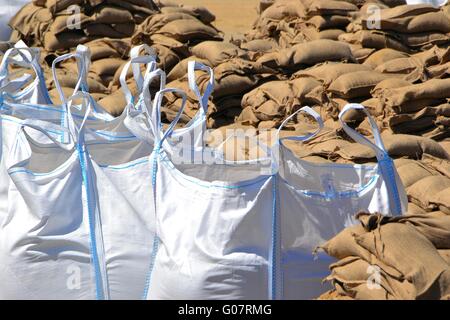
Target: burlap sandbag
column 283, row 9
column 200, row 12
column 155, row 22
column 397, row 145
column 353, row 275
column 191, row 30
column 421, row 120
column 31, row 22
column 423, row 190
column 69, row 80
column 108, row 48
column 360, row 53
column 180, row 69
column 116, row 102
column 411, row 68
column 260, row 45
column 356, row 84
column 329, row 7
column 382, row 56
column 307, row 90
column 328, row 72
column 309, row 53
column 217, row 52
column 121, row 30
column 432, row 89
column 236, row 77
column 322, row 22
column 64, row 40
column 378, row 40
column 389, row 83
column 407, row 250
column 427, row 20
column 413, row 172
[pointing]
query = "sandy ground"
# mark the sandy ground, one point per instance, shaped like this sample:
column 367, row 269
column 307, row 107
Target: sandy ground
column 232, row 16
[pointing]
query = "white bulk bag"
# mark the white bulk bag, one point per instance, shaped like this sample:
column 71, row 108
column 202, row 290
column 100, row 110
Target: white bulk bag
column 23, row 56
column 214, row 225
column 48, row 240
column 317, row 201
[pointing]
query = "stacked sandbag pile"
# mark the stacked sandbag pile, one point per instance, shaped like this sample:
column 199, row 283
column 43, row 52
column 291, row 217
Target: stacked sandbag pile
column 387, row 258
column 107, row 59
column 406, row 28
column 295, row 21
column 233, row 78
column 61, row 25
column 175, row 30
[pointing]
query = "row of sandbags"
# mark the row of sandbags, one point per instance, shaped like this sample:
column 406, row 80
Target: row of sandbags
column 362, row 73
column 60, row 25
column 399, row 258
column 170, row 28
column 392, row 258
column 407, row 28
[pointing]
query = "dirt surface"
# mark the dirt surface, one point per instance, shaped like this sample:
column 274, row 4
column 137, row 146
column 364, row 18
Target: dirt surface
column 232, row 16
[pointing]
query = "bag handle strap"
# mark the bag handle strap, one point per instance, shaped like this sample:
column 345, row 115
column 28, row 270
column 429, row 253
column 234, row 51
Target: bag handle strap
column 378, row 146
column 309, row 111
column 20, row 56
column 77, row 131
column 385, row 164
column 83, row 58
column 151, row 64
column 203, row 99
column 136, row 52
column 155, row 120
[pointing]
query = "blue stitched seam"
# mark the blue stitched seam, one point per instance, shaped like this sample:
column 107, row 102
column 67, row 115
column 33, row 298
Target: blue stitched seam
column 125, row 166
column 155, row 246
column 388, row 164
column 93, row 241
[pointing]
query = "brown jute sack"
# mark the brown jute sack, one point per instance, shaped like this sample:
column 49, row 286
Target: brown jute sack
column 354, row 275
column 411, row 68
column 328, row 72
column 375, row 39
column 425, row 189
column 435, row 226
column 322, row 22
column 329, row 7
column 413, row 172
column 360, row 53
column 108, row 48
column 199, row 12
column 426, row 22
column 106, row 66
column 432, row 89
column 282, row 9
column 181, row 68
column 217, row 52
column 407, row 250
column 260, row 45
column 389, row 83
column 397, row 145
column 191, row 30
column 120, row 30
column 356, row 84
column 64, row 40
column 382, row 56
column 309, row 53
column 423, row 39
column 116, row 102
column 307, row 90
